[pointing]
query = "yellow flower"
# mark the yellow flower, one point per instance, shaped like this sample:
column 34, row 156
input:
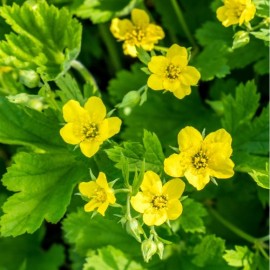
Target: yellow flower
column 172, row 73
column 99, row 193
column 158, row 203
column 87, row 126
column 236, row 12
column 200, row 158
column 137, row 32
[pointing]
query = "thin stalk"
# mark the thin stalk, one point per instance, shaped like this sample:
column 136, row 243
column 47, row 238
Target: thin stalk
column 122, row 190
column 183, row 23
column 110, row 45
column 87, row 76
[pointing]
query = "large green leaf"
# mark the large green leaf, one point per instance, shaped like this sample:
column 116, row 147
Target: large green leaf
column 47, row 39
column 21, row 125
column 43, row 184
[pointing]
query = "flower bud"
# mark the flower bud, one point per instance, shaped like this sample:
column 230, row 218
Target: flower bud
column 131, row 99
column 134, row 229
column 36, row 104
column 160, row 249
column 241, row 38
column 149, row 248
column 29, row 78
column 21, row 98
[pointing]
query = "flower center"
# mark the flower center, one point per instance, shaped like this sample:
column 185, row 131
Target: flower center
column 172, row 71
column 135, row 36
column 100, row 195
column 200, row 160
column 90, row 131
column 159, row 202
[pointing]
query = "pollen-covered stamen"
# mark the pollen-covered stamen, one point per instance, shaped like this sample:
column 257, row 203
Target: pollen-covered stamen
column 90, row 130
column 172, row 71
column 200, row 160
column 135, row 36
column 159, row 201
column 100, row 195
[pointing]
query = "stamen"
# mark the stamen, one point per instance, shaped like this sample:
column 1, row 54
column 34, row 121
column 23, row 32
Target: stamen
column 90, row 130
column 200, row 160
column 173, row 72
column 159, row 202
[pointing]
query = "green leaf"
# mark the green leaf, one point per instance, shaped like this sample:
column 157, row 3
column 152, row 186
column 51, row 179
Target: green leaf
column 262, row 8
column 263, row 34
column 55, row 38
column 43, row 184
column 110, row 258
column 29, row 254
column 20, row 125
column 208, row 251
column 262, row 66
column 143, row 56
column 212, row 61
column 191, row 219
column 240, row 257
column 261, row 177
column 86, row 233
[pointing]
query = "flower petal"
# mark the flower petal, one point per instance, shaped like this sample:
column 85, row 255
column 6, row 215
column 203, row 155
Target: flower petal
column 154, row 32
column 151, row 183
column 171, row 85
column 113, row 126
column 140, row 18
column 155, row 82
column 67, row 133
column 119, row 28
column 88, row 189
column 102, row 180
column 221, row 168
column 176, row 50
column 158, row 64
column 173, row 188
column 91, row 206
column 189, row 138
column 190, row 76
column 198, row 180
column 182, row 91
column 140, row 202
column 96, row 109
column 72, row 110
column 173, row 166
column 174, row 210
column 89, row 148
column 102, row 208
column 155, row 217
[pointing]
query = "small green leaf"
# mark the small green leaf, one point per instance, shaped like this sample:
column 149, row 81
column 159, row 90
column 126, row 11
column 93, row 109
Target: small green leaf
column 110, row 258
column 263, row 34
column 261, row 177
column 143, row 56
column 43, row 184
column 138, row 178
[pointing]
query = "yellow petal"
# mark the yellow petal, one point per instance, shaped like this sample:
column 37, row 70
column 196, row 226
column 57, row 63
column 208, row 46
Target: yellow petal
column 175, row 50
column 219, row 136
column 89, row 148
column 155, row 217
column 67, row 133
column 179, row 60
column 140, row 202
column 174, row 210
column 113, row 126
column 173, row 166
column 221, row 168
column 173, row 188
column 198, row 180
column 189, row 138
column 140, row 18
column 129, row 49
column 151, row 183
column 96, row 109
column 154, row 33
column 110, row 197
column 182, row 91
column 158, row 64
column 102, row 180
column 190, row 76
column 120, row 28
column 72, row 110
column 102, row 208
column 221, row 13
column 91, row 206
column 88, row 188
column 155, row 82
column 171, row 85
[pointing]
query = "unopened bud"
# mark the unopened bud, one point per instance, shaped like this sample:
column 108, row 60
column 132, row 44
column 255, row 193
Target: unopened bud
column 149, row 248
column 134, row 229
column 29, row 78
column 131, row 99
column 240, row 39
column 160, row 249
column 21, row 98
column 36, row 104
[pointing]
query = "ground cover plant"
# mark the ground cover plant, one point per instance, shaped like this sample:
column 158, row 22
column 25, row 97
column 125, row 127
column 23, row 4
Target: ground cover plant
column 134, row 134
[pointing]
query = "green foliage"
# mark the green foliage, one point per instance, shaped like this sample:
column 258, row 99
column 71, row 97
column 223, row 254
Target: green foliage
column 112, row 259
column 191, row 219
column 54, row 36
column 43, row 184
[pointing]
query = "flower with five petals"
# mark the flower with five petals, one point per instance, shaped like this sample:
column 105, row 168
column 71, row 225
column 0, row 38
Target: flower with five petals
column 87, row 126
column 158, row 203
column 137, row 32
column 99, row 192
column 236, row 12
column 201, row 158
column 172, row 73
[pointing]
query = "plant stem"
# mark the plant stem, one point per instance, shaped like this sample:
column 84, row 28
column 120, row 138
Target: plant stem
column 160, row 48
column 122, row 190
column 88, row 77
column 182, row 22
column 232, row 227
column 110, row 45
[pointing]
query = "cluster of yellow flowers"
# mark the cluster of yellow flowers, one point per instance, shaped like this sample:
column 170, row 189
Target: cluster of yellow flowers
column 200, row 158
